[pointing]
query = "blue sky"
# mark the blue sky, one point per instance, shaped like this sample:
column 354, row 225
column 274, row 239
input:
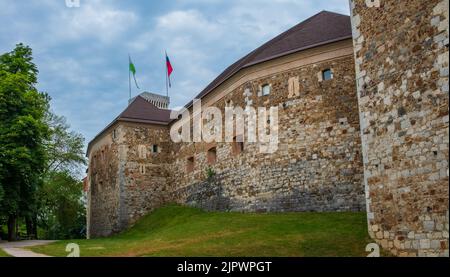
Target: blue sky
column 82, row 53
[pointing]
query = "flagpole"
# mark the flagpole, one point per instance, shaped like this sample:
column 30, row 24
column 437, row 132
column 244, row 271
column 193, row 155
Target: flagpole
column 167, row 75
column 129, row 84
column 129, row 78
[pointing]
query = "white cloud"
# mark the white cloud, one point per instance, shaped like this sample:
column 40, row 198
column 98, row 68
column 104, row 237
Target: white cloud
column 82, row 52
column 202, row 44
column 92, row 19
column 191, row 20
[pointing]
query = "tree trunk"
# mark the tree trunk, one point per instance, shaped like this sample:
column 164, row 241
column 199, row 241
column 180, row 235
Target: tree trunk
column 35, row 233
column 11, row 227
column 29, row 224
column 17, row 237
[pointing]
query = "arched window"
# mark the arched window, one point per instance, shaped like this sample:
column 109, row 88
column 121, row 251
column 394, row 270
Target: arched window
column 212, row 156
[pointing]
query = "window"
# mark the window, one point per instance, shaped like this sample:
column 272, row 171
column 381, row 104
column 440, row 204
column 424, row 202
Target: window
column 114, row 134
column 190, row 165
column 142, row 169
column 265, row 89
column 327, row 74
column 100, row 186
column 238, row 145
column 212, row 156
column 155, row 148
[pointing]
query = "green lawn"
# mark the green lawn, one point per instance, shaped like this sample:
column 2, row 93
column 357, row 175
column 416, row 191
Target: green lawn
column 3, row 253
column 182, row 231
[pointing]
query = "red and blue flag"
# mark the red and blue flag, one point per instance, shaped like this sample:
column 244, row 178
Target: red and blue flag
column 169, row 69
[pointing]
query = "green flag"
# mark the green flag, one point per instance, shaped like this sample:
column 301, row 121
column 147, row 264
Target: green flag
column 133, row 70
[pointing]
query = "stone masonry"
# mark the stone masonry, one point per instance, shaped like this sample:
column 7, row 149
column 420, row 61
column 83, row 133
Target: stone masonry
column 317, row 167
column 371, row 134
column 401, row 54
column 126, row 179
column 318, row 164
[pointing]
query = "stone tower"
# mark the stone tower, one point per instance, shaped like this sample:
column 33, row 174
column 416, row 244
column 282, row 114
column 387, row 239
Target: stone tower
column 402, row 58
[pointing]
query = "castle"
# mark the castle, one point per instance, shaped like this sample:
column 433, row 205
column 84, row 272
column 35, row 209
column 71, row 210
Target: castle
column 362, row 125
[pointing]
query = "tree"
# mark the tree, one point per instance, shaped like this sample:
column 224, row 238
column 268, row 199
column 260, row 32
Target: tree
column 62, row 213
column 23, row 132
column 39, row 155
column 1, row 174
column 65, row 149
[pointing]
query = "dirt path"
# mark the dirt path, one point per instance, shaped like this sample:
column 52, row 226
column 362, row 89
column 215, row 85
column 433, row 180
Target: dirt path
column 16, row 248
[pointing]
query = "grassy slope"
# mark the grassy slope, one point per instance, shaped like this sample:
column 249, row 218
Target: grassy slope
column 182, row 231
column 3, row 253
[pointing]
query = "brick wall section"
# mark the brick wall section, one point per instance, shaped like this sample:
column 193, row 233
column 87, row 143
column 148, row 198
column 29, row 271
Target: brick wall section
column 402, row 81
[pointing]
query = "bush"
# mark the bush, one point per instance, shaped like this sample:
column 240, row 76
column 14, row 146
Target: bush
column 210, row 173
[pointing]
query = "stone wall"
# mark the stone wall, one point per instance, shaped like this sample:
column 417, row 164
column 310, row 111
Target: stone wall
column 104, row 194
column 127, row 178
column 401, row 54
column 145, row 171
column 318, row 164
column 317, row 167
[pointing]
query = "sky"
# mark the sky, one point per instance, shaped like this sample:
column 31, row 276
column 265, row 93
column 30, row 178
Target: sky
column 82, row 52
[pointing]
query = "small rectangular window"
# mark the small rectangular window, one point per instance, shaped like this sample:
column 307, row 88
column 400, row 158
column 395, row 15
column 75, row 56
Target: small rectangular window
column 265, row 90
column 114, row 134
column 212, row 156
column 155, row 148
column 238, row 145
column 190, row 165
column 327, row 74
column 142, row 169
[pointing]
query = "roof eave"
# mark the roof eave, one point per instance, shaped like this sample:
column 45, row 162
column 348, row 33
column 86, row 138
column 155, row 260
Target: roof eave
column 272, row 58
column 297, row 50
column 124, row 119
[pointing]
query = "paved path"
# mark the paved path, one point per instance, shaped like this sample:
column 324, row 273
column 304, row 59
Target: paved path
column 15, row 248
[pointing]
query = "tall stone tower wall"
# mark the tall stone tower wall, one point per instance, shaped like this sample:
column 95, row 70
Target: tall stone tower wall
column 127, row 176
column 402, row 58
